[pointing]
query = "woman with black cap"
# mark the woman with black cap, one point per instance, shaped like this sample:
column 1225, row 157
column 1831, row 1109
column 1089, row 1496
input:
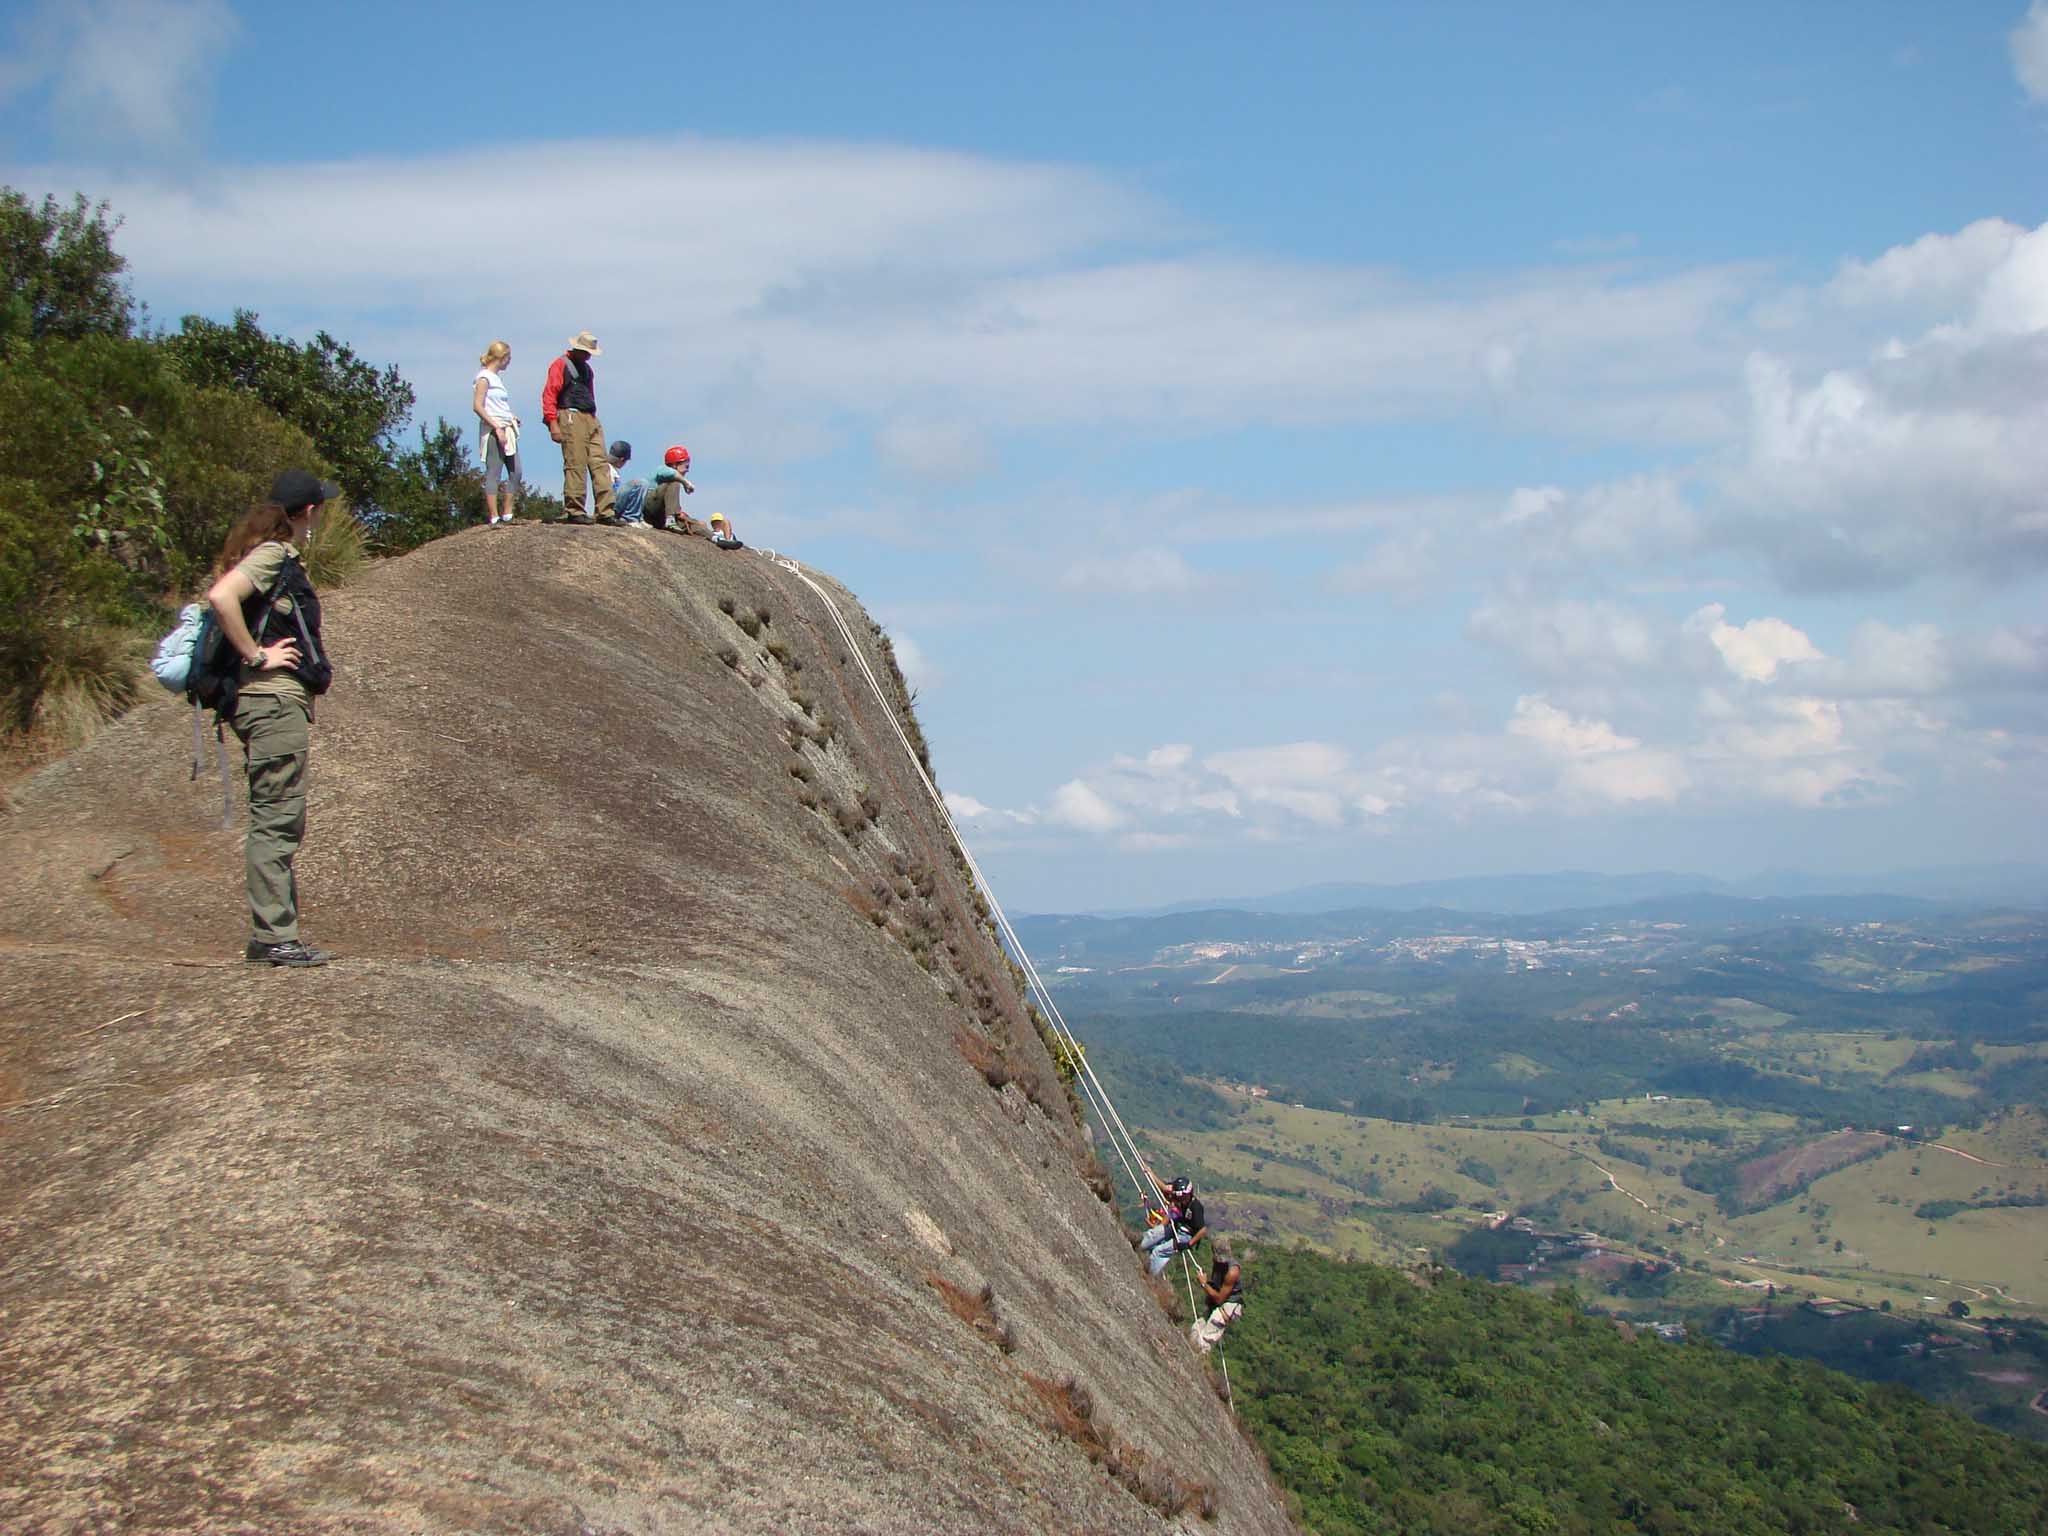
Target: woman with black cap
column 269, row 613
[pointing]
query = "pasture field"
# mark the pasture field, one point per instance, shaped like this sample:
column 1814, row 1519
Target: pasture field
column 1279, row 1172
column 1350, row 1004
column 1813, row 1052
column 1744, row 1013
column 1743, row 1125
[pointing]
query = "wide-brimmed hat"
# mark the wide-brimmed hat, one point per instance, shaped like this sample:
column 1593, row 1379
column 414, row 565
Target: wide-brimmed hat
column 583, row 341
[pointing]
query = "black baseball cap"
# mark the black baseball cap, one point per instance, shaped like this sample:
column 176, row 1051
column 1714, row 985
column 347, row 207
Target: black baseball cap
column 297, row 488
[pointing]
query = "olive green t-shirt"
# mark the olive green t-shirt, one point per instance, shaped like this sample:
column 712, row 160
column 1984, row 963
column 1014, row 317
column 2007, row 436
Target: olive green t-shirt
column 262, row 565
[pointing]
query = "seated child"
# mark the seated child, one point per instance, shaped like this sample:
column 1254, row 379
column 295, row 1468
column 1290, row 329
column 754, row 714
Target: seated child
column 664, row 503
column 628, row 496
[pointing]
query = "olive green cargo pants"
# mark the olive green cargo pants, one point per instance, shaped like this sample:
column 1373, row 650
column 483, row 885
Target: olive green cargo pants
column 274, row 731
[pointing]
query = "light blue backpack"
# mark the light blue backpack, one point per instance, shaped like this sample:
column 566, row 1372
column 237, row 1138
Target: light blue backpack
column 177, row 651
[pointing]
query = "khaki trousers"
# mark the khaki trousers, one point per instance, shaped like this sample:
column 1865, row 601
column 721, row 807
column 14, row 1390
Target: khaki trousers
column 583, row 457
column 1208, row 1332
column 278, row 744
column 664, row 509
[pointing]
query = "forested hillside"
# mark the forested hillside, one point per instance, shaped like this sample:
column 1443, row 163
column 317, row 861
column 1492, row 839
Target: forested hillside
column 1460, row 1406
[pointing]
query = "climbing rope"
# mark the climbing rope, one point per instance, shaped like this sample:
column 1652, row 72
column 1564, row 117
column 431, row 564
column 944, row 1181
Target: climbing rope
column 1120, row 1137
column 1121, row 1141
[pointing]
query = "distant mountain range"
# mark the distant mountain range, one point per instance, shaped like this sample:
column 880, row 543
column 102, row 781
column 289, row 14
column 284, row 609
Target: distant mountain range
column 2021, row 885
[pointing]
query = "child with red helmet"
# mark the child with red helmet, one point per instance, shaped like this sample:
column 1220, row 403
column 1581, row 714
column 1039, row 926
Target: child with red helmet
column 665, row 501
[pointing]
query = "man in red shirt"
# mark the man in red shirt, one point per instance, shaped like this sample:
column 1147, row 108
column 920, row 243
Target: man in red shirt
column 568, row 404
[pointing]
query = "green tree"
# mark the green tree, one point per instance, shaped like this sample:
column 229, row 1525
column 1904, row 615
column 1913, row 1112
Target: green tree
column 429, row 490
column 60, row 275
column 350, row 409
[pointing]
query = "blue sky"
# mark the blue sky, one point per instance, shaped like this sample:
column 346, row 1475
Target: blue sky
column 1341, row 442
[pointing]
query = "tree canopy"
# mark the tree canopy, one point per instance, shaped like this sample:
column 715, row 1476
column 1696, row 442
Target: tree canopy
column 60, row 275
column 1459, row 1406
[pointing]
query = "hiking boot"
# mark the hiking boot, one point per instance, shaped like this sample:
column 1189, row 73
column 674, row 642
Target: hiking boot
column 609, row 521
column 290, row 952
column 578, row 517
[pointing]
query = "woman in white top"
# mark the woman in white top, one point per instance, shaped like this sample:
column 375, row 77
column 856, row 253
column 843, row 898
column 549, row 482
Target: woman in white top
column 498, row 439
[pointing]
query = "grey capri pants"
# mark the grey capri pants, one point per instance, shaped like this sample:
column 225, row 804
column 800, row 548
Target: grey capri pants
column 497, row 464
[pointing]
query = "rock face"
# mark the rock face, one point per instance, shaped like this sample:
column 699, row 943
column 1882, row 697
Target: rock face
column 631, row 1171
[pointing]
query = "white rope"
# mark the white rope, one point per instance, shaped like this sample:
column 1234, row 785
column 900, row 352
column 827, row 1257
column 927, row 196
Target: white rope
column 1098, row 1096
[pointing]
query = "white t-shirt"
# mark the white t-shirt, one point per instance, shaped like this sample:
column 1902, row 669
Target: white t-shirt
column 497, row 404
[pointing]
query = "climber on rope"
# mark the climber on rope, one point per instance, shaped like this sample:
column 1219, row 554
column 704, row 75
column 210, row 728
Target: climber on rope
column 1178, row 1223
column 1223, row 1289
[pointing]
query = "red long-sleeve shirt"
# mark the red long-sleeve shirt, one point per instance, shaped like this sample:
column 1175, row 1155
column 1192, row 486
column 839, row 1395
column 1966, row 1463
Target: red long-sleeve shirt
column 551, row 391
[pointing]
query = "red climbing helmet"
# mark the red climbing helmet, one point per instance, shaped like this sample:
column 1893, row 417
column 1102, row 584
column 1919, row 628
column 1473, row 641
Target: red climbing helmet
column 677, row 457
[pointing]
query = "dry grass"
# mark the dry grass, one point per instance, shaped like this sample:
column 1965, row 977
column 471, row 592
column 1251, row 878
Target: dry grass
column 850, row 821
column 981, row 1054
column 977, row 1309
column 865, row 905
column 88, row 674
column 338, row 552
column 1071, row 1407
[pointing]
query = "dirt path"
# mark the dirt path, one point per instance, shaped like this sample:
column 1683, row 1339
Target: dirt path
column 1607, row 1173
column 1942, row 1146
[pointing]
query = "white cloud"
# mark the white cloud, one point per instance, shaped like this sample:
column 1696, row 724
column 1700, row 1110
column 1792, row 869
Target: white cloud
column 1937, row 269
column 1757, row 649
column 1077, row 806
column 1784, row 727
column 1927, row 461
column 1570, row 639
column 1152, row 572
column 915, row 288
column 1630, row 778
column 1554, row 731
column 136, row 76
column 1632, row 521
column 1301, row 762
column 916, row 667
column 967, row 808
column 1526, row 503
column 2029, row 43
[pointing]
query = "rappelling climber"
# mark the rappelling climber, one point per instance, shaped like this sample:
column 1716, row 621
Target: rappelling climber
column 1178, row 1222
column 1223, row 1289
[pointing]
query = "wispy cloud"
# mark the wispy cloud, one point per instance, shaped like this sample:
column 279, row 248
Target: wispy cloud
column 2029, row 43
column 925, row 290
column 134, row 77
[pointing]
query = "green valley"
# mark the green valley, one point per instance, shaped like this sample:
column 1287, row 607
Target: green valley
column 1696, row 1112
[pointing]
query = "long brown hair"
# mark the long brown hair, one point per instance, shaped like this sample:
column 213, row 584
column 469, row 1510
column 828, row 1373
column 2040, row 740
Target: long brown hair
column 259, row 525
